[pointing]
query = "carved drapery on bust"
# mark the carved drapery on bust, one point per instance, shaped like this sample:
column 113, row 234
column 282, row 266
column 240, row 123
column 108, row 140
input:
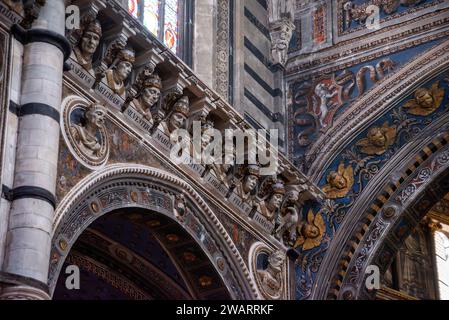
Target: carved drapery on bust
column 120, row 71
column 248, row 184
column 281, row 28
column 177, row 117
column 272, row 200
column 270, row 279
column 120, row 60
column 87, row 43
column 149, row 86
column 86, row 135
column 83, row 127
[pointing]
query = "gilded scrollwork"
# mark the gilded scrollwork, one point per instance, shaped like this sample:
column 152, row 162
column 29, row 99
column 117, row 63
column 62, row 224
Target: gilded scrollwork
column 425, row 101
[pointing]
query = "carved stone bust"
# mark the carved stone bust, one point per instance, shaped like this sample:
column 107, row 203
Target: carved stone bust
column 223, row 171
column 178, row 116
column 148, row 96
column 270, row 279
column 88, row 44
column 120, row 70
column 272, row 203
column 249, row 182
column 87, row 136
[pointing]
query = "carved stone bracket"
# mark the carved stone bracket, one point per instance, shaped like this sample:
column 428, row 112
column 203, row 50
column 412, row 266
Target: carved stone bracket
column 281, row 29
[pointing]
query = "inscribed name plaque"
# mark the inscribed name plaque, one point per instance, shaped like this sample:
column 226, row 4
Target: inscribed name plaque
column 138, row 120
column 268, row 226
column 9, row 14
column 195, row 168
column 239, row 204
column 109, row 96
column 81, row 74
column 216, row 184
column 162, row 140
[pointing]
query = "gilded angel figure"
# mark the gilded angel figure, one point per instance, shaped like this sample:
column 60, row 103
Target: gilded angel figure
column 378, row 140
column 426, row 101
column 339, row 182
column 311, row 232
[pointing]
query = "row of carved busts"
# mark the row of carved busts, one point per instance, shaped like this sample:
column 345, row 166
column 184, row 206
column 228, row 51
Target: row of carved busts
column 116, row 68
column 269, row 195
column 278, row 203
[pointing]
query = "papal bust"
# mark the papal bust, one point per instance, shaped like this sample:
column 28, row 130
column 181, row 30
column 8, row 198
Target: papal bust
column 120, row 70
column 88, row 44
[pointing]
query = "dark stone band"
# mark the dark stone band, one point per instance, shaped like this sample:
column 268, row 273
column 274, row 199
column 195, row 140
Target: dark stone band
column 42, row 35
column 17, row 280
column 29, row 192
column 39, row 108
column 14, row 108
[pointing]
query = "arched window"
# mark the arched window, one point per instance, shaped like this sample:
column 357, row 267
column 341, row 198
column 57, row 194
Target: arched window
column 169, row 21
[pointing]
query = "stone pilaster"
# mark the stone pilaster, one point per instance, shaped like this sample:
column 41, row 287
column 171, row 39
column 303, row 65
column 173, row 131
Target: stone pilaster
column 33, row 201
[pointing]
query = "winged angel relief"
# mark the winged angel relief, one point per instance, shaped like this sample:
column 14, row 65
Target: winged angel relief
column 339, row 182
column 311, row 232
column 426, row 101
column 378, row 140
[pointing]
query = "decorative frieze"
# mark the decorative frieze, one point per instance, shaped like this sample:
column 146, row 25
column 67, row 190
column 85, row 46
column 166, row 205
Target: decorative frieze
column 154, row 93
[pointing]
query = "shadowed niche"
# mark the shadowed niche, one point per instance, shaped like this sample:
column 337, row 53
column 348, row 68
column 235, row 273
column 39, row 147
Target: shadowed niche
column 134, row 254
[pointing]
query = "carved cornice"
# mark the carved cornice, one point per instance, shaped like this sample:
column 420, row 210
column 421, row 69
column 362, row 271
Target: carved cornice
column 23, row 293
column 180, row 77
column 385, row 41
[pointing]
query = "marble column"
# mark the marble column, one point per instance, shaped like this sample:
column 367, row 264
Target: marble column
column 33, row 202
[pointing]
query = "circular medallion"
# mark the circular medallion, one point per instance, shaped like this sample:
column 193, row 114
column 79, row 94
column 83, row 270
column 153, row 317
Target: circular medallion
column 84, row 131
column 268, row 268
